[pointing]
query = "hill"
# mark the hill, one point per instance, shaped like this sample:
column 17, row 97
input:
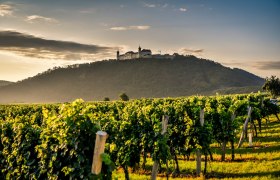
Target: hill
column 4, row 83
column 182, row 76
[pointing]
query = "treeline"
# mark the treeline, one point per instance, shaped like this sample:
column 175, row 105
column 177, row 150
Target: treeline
column 57, row 141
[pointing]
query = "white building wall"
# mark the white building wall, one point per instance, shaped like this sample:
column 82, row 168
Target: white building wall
column 144, row 54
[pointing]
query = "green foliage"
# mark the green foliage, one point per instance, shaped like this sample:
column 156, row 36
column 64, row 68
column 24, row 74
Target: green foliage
column 106, row 99
column 259, row 163
column 18, row 156
column 57, row 141
column 108, row 166
column 67, row 142
column 124, row 97
column 272, row 85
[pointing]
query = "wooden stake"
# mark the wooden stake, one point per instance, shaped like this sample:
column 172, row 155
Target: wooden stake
column 99, row 147
column 164, row 124
column 155, row 170
column 232, row 141
column 198, row 162
column 250, row 139
column 202, row 117
column 245, row 127
column 198, row 153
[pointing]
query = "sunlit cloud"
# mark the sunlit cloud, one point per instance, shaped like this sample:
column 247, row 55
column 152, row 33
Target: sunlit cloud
column 267, row 65
column 36, row 47
column 183, row 9
column 190, row 51
column 6, row 10
column 37, row 19
column 125, row 28
column 235, row 64
column 139, row 27
column 119, row 28
column 260, row 65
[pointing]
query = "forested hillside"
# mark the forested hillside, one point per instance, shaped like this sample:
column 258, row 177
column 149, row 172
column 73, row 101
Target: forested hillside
column 4, row 83
column 181, row 76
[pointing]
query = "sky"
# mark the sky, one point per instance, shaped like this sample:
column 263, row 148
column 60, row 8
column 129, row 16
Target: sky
column 37, row 35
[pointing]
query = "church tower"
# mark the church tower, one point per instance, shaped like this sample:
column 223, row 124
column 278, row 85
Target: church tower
column 139, row 52
column 118, row 55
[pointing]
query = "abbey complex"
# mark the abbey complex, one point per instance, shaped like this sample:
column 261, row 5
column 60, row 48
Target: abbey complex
column 142, row 53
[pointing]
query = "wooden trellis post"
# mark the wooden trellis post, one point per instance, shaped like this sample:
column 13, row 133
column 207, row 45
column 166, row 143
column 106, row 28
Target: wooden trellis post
column 250, row 139
column 99, row 147
column 198, row 153
column 164, row 124
column 250, row 109
column 232, row 140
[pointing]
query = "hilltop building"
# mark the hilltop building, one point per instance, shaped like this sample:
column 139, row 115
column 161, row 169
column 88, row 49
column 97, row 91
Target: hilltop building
column 142, row 53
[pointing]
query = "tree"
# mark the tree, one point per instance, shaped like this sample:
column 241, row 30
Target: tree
column 272, row 85
column 124, row 97
column 106, row 99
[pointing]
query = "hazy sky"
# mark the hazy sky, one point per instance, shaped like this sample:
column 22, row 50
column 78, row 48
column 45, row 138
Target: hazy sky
column 36, row 35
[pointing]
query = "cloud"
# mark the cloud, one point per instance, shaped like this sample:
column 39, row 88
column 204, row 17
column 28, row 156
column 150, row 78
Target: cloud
column 155, row 5
column 261, row 65
column 31, row 46
column 119, row 28
column 165, row 5
column 191, row 51
column 267, row 65
column 149, row 5
column 6, row 10
column 125, row 28
column 37, row 18
column 88, row 11
column 139, row 27
column 183, row 9
column 240, row 64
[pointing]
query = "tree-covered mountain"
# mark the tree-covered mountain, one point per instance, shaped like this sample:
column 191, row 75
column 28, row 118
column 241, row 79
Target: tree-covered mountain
column 4, row 83
column 181, row 76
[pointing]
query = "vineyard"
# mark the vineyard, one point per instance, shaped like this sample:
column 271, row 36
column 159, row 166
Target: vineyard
column 56, row 141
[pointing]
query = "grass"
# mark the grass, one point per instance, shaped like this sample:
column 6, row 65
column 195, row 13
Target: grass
column 262, row 161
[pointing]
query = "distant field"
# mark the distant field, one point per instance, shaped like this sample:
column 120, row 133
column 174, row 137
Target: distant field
column 260, row 162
